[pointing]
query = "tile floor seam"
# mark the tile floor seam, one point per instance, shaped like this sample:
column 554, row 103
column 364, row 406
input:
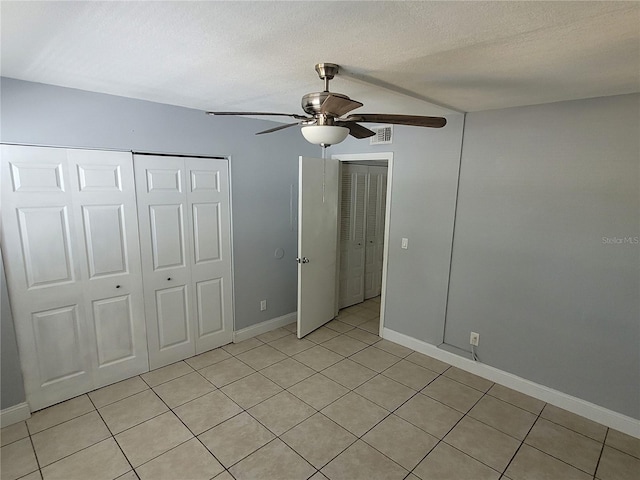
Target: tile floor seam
column 114, row 439
column 604, row 442
column 319, row 373
column 191, row 399
column 123, row 398
column 441, row 440
column 194, row 436
column 61, row 423
column 253, row 368
column 167, row 381
column 563, row 461
column 522, row 441
column 485, row 464
column 33, row 447
column 249, row 454
column 334, row 457
column 244, row 351
column 560, row 460
column 136, row 425
column 360, row 437
column 274, row 433
column 575, row 431
column 510, row 403
column 71, row 454
column 384, row 454
column 11, row 443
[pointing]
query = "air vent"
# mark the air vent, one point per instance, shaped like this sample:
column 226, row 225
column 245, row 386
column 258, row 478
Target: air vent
column 384, row 135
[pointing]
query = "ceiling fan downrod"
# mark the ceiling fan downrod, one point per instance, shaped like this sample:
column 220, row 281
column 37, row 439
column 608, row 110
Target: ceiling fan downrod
column 326, row 72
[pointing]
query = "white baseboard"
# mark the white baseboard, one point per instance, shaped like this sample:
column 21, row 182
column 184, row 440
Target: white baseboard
column 15, row 414
column 594, row 412
column 264, row 327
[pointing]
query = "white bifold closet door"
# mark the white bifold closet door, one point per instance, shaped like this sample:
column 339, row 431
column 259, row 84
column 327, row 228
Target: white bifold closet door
column 376, row 201
column 362, row 217
column 70, row 244
column 185, row 232
column 352, row 234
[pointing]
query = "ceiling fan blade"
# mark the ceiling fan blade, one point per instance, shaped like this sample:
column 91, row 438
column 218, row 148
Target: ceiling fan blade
column 414, row 120
column 281, row 127
column 272, row 114
column 355, row 130
column 338, row 106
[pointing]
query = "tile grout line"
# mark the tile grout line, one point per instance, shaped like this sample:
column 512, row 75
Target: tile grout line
column 441, row 440
column 181, row 443
column 604, row 442
column 504, row 472
column 114, row 439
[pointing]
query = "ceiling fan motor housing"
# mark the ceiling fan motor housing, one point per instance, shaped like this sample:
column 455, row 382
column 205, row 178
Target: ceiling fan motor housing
column 312, row 102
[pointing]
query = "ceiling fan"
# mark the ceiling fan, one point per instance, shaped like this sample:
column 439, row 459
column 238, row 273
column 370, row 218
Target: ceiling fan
column 325, row 123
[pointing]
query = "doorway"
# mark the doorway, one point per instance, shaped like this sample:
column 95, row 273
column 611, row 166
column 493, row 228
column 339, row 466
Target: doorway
column 364, row 199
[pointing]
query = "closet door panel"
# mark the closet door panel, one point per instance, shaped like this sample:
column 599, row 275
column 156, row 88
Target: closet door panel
column 105, row 239
column 172, row 305
column 115, row 330
column 376, row 199
column 167, row 236
column 104, row 201
column 208, row 199
column 166, row 253
column 43, row 274
column 352, row 234
column 47, row 261
column 210, row 300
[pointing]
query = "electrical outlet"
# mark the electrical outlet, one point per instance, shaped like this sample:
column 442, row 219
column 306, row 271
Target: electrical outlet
column 263, row 305
column 474, row 338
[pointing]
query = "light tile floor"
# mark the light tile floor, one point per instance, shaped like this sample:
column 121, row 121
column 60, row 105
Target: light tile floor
column 340, row 404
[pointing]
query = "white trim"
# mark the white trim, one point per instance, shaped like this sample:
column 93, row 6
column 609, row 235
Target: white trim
column 264, row 327
column 388, row 156
column 233, row 263
column 15, row 414
column 594, row 412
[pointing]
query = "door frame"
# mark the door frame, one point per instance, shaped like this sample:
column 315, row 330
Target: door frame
column 375, row 157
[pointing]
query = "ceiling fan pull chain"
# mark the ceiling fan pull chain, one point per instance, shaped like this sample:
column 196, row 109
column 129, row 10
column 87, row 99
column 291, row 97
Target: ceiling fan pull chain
column 324, row 170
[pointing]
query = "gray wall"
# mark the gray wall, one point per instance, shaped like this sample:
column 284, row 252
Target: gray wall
column 423, row 197
column 12, row 388
column 539, row 189
column 263, row 168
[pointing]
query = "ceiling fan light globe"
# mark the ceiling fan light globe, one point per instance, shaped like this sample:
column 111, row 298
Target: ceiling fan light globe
column 324, row 134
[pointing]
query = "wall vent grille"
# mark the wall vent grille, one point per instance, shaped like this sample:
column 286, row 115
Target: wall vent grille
column 383, row 136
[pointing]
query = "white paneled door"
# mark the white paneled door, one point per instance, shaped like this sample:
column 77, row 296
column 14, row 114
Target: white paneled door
column 185, row 231
column 70, row 243
column 317, row 242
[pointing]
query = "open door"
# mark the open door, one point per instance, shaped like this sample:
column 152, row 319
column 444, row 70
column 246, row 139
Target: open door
column 317, row 242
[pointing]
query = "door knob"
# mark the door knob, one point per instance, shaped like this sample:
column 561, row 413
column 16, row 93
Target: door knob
column 117, row 286
column 168, row 278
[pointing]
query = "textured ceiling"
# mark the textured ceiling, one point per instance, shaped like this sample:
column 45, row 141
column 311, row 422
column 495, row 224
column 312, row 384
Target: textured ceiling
column 396, row 56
